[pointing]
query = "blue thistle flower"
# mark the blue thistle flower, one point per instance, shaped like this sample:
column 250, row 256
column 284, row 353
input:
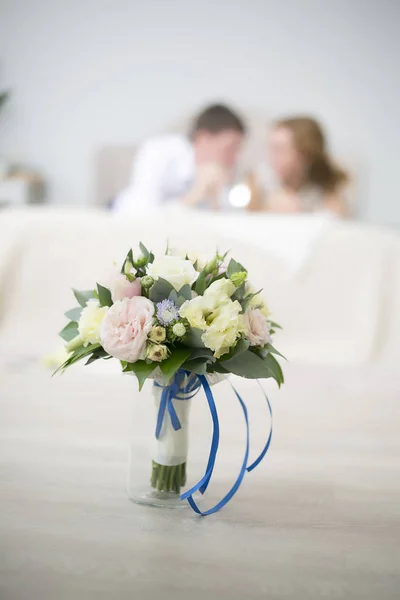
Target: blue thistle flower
column 167, row 312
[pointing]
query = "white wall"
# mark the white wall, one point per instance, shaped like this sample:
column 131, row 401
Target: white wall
column 89, row 72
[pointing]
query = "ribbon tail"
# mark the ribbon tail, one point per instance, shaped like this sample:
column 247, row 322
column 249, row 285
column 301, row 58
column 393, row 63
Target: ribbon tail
column 204, row 481
column 239, row 479
column 176, row 424
column 265, row 450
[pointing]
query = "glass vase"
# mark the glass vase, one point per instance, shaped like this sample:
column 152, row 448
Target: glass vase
column 158, row 450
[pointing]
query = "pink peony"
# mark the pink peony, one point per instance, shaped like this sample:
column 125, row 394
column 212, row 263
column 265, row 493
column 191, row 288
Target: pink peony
column 256, row 327
column 125, row 327
column 122, row 288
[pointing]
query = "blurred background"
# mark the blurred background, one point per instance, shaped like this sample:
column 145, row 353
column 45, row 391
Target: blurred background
column 88, row 75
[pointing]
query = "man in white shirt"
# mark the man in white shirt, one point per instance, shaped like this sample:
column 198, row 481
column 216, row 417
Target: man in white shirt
column 191, row 170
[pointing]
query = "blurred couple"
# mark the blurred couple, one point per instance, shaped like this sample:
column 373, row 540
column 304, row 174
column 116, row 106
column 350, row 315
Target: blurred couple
column 197, row 170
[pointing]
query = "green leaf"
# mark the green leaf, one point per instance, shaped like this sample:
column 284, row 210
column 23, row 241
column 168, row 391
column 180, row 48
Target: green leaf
column 83, row 296
column 239, row 292
column 174, row 362
column 234, row 267
column 144, row 251
column 173, row 295
column 76, row 356
column 160, row 290
column 201, row 283
column 97, row 354
column 198, row 366
column 216, row 368
column 274, row 325
column 275, row 368
column 241, row 346
column 202, row 353
column 104, row 296
column 181, row 300
column 251, row 366
column 142, row 370
column 185, row 292
column 74, row 314
column 70, row 331
column 193, row 338
column 273, row 350
column 246, row 299
column 129, row 257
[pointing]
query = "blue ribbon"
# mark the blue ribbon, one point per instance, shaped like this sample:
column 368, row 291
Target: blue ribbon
column 178, row 392
column 184, row 392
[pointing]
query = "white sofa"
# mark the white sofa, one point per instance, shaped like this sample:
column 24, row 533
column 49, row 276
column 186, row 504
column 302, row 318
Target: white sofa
column 327, row 494
column 333, row 286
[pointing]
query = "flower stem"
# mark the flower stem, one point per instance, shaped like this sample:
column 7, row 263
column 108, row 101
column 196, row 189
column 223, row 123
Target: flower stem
column 168, row 479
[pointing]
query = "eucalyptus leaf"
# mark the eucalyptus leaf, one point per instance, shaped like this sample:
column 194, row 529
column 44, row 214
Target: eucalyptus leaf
column 83, row 296
column 248, row 365
column 216, row 368
column 142, row 370
column 70, row 331
column 160, row 290
column 193, row 338
column 173, row 363
column 181, row 300
column 173, row 295
column 74, row 314
column 185, row 292
column 104, row 295
column 198, row 366
column 202, row 353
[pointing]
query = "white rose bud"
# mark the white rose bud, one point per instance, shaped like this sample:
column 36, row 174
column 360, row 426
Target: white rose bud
column 179, row 329
column 157, row 334
column 157, row 352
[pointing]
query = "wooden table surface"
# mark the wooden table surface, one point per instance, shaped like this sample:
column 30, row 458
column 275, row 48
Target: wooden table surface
column 320, row 519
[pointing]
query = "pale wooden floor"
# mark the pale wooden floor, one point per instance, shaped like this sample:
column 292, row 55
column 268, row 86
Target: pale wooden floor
column 320, row 519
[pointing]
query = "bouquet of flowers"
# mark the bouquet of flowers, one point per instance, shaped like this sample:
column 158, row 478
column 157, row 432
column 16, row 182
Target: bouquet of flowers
column 183, row 324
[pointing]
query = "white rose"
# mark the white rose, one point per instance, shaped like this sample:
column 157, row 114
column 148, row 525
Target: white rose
column 174, row 269
column 90, row 321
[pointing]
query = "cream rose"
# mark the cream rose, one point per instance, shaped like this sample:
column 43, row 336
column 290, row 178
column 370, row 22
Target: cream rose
column 216, row 315
column 256, row 327
column 90, row 321
column 174, row 269
column 125, row 328
column 224, row 325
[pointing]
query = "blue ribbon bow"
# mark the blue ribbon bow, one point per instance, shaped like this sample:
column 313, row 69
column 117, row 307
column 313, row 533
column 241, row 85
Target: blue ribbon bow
column 180, row 391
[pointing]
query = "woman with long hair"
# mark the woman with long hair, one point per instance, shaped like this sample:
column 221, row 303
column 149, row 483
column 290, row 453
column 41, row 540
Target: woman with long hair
column 306, row 177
